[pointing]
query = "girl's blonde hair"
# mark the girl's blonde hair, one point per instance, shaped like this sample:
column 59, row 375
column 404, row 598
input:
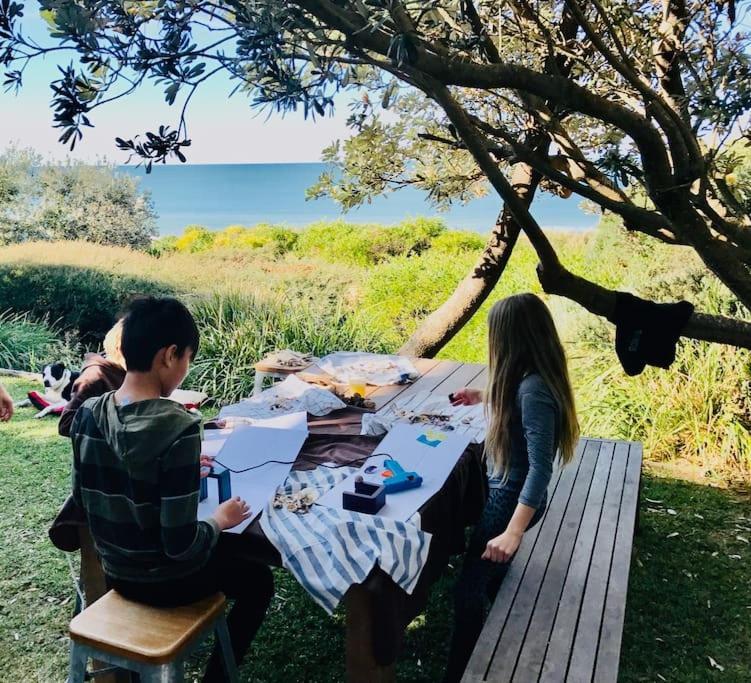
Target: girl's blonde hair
column 522, row 339
column 112, row 344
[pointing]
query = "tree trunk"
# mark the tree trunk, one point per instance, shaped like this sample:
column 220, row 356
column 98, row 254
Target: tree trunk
column 441, row 325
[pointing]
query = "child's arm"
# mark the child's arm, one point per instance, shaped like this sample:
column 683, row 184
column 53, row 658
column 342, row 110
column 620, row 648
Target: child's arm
column 183, row 536
column 538, row 414
column 502, row 548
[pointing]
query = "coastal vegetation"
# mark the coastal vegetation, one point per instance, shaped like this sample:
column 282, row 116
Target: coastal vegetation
column 259, row 288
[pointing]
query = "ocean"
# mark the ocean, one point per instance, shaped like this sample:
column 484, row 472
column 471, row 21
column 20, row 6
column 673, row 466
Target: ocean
column 218, row 195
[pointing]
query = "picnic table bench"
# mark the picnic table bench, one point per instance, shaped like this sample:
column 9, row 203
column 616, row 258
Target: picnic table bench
column 558, row 615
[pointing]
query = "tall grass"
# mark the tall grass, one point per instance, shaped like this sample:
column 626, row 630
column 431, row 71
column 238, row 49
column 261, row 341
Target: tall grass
column 237, row 331
column 26, row 344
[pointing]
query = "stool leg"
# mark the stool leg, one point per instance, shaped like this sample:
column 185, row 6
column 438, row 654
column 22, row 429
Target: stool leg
column 225, row 648
column 174, row 672
column 77, row 670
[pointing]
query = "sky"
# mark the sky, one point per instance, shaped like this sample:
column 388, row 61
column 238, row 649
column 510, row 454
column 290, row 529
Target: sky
column 222, row 129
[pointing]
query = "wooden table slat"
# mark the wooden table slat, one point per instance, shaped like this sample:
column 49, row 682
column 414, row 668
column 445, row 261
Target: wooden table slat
column 563, row 627
column 567, row 517
column 584, row 651
column 427, row 382
column 481, row 381
column 611, row 633
column 459, row 379
column 486, row 643
column 581, row 517
column 382, row 395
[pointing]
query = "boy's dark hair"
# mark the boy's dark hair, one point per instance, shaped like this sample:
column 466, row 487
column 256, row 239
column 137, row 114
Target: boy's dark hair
column 151, row 324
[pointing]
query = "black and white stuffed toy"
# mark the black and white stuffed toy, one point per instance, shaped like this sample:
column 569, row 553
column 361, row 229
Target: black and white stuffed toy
column 58, row 384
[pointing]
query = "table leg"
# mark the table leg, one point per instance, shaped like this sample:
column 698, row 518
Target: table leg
column 258, row 383
column 94, row 587
column 361, row 664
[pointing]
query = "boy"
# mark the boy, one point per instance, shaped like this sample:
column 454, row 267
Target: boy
column 136, row 475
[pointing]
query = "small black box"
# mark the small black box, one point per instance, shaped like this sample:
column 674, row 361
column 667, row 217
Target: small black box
column 367, row 498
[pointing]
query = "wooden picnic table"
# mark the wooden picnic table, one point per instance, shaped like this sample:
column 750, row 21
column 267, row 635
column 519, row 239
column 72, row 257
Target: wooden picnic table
column 378, row 611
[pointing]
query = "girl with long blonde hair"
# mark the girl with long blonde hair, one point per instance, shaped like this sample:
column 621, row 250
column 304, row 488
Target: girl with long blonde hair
column 531, row 419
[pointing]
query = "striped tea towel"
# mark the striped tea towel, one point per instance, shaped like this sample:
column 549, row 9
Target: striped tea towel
column 329, row 550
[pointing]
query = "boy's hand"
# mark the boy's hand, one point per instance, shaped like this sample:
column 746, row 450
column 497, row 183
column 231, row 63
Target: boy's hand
column 207, row 462
column 466, row 397
column 231, row 512
column 6, row 405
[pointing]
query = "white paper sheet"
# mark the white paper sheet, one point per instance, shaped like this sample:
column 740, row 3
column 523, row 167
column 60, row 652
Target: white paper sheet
column 430, row 453
column 246, row 446
column 290, row 396
column 375, row 369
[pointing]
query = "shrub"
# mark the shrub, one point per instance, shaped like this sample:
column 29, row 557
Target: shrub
column 81, row 300
column 26, row 344
column 458, row 242
column 74, row 201
column 272, row 238
column 195, row 238
column 237, row 331
column 341, row 242
column 162, row 246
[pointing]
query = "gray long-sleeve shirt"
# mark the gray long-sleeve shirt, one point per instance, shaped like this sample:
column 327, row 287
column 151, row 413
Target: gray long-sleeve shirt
column 535, row 428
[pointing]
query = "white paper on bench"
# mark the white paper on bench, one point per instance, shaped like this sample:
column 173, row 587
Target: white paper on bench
column 432, row 463
column 244, row 447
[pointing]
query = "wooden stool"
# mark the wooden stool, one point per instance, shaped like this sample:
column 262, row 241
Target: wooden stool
column 150, row 641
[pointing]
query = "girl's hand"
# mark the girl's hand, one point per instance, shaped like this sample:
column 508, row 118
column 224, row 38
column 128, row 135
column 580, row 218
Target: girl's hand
column 466, row 397
column 502, row 548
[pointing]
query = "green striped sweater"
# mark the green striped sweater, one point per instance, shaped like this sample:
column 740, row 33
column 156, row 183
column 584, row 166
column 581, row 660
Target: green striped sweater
column 136, row 474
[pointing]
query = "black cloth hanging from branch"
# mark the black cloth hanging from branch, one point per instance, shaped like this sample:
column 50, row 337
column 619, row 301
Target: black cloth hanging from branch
column 646, row 333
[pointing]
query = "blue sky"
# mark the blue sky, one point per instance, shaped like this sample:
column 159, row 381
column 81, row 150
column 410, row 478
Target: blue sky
column 223, row 129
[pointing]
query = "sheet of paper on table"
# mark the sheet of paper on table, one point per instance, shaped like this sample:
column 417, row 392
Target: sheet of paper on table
column 432, row 454
column 246, row 446
column 375, row 369
column 290, row 396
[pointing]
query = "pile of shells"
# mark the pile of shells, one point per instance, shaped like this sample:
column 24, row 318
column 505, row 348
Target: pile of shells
column 299, row 502
column 433, row 419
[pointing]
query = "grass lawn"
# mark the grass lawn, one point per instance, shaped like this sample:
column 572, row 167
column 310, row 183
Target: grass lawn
column 689, row 597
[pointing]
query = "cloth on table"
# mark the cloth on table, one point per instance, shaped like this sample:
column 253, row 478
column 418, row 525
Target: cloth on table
column 290, row 396
column 376, row 369
column 329, row 550
column 436, row 413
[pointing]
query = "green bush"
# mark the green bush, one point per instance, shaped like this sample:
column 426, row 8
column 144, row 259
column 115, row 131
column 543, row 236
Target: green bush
column 195, row 238
column 237, row 331
column 80, row 300
column 71, row 201
column 458, row 242
column 26, row 344
column 275, row 239
column 341, row 242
